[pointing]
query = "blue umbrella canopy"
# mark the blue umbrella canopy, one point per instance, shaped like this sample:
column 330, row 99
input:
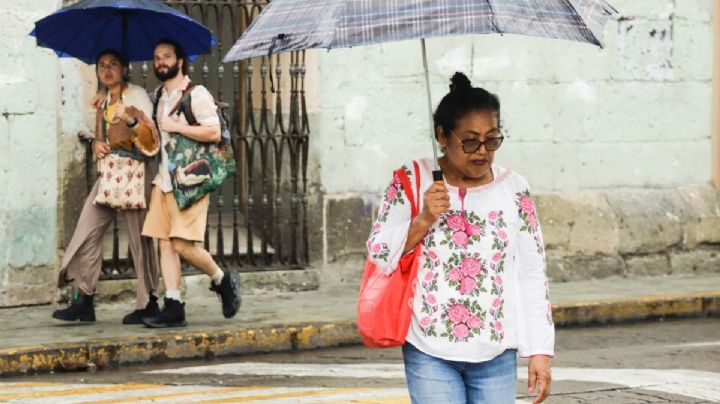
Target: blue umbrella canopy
column 130, row 27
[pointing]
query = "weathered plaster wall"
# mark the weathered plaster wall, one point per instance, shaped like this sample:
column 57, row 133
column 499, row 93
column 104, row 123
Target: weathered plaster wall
column 29, row 99
column 635, row 114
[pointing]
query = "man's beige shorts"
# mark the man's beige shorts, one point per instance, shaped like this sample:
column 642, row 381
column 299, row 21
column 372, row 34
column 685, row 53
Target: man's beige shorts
column 165, row 220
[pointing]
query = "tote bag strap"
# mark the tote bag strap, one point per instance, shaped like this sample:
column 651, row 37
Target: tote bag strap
column 405, row 181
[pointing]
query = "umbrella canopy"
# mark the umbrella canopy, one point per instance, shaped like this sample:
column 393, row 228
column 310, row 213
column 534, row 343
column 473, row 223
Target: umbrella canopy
column 130, row 27
column 289, row 25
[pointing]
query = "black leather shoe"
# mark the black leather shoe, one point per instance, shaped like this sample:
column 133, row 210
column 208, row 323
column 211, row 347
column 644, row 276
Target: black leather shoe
column 81, row 309
column 172, row 315
column 229, row 293
column 151, row 309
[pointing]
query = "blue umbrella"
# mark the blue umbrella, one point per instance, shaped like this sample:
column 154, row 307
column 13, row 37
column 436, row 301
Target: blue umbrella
column 290, row 25
column 130, row 27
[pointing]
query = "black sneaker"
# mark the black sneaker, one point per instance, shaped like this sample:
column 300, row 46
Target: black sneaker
column 172, row 315
column 151, row 309
column 229, row 293
column 81, row 309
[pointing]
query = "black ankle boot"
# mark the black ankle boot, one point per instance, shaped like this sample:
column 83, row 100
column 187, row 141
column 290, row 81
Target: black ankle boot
column 151, row 309
column 81, row 309
column 172, row 315
column 229, row 293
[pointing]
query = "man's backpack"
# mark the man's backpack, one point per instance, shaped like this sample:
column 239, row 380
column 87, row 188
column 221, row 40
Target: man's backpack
column 196, row 168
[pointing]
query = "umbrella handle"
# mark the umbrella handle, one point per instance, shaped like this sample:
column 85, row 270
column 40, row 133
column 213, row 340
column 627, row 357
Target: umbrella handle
column 437, row 175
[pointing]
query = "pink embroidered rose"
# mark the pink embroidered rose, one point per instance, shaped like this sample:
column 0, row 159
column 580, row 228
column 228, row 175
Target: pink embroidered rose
column 460, row 239
column 471, row 229
column 493, row 215
column 377, row 227
column 376, row 248
column 391, row 193
column 498, row 326
column 455, row 274
column 471, row 267
column 456, row 222
column 532, row 220
column 425, row 322
column 527, row 205
column 497, row 257
column 432, row 255
column 496, row 303
column 498, row 280
column 502, row 235
column 467, row 286
column 429, row 276
column 474, row 322
column 431, row 299
column 458, row 313
column 461, row 331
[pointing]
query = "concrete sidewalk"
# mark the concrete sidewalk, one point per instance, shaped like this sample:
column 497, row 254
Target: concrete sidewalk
column 32, row 342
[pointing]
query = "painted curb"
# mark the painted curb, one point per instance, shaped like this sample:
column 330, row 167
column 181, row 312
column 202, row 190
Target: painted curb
column 638, row 308
column 111, row 352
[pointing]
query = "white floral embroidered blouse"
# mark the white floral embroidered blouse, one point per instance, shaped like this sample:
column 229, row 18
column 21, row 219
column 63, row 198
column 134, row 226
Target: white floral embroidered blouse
column 481, row 283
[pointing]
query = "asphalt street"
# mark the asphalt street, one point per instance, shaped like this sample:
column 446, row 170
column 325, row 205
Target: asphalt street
column 674, row 361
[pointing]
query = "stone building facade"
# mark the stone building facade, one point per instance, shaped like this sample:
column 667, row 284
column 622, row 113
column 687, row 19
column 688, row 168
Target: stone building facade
column 616, row 142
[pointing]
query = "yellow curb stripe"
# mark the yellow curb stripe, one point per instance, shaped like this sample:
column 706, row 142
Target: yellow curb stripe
column 80, row 391
column 307, row 393
column 382, row 400
column 10, row 386
column 219, row 390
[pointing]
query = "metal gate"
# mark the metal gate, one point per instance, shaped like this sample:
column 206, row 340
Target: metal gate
column 258, row 220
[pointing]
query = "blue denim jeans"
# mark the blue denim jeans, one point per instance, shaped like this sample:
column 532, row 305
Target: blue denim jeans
column 433, row 380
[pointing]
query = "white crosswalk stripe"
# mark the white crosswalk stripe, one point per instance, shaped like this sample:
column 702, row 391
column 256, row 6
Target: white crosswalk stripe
column 696, row 345
column 688, row 383
column 368, row 371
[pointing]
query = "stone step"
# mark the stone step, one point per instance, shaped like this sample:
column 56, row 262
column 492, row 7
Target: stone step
column 196, row 286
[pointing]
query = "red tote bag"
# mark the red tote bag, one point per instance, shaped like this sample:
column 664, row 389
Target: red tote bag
column 385, row 302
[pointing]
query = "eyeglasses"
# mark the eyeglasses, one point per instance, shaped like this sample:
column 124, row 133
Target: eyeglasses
column 472, row 145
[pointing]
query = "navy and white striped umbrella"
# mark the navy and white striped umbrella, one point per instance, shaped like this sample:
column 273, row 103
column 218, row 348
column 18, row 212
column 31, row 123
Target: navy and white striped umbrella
column 291, row 25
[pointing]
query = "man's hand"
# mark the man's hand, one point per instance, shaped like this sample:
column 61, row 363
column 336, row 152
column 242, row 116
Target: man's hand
column 170, row 125
column 100, row 148
column 539, row 377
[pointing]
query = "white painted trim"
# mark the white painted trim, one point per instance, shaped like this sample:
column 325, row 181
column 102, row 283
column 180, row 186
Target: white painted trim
column 715, row 136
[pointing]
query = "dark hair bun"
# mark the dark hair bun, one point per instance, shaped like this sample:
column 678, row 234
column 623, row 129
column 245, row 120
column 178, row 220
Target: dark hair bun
column 460, row 82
